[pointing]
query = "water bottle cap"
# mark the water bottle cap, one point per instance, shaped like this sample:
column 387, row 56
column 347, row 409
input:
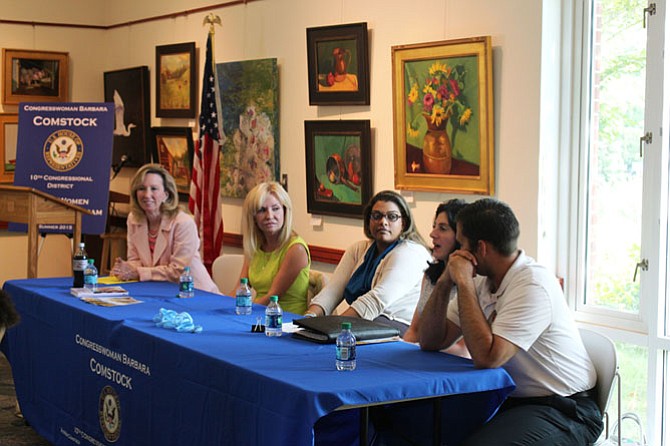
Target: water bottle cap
column 244, row 280
column 187, row 269
column 82, row 244
column 274, row 298
column 346, row 325
column 91, row 261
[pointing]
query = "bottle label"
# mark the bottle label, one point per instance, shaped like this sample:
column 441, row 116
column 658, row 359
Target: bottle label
column 79, row 264
column 186, row 286
column 91, row 279
column 243, row 300
column 273, row 321
column 346, row 353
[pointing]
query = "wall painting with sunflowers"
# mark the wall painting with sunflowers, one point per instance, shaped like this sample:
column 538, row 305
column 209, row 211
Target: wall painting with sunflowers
column 443, row 116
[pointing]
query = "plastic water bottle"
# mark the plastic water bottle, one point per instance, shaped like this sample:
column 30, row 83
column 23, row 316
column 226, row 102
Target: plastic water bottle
column 78, row 266
column 273, row 317
column 345, row 345
column 186, row 283
column 91, row 276
column 243, row 297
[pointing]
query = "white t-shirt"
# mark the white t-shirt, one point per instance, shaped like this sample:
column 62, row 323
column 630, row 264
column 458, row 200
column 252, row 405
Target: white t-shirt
column 532, row 313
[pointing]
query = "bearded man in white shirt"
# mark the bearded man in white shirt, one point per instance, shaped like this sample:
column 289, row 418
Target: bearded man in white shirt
column 512, row 314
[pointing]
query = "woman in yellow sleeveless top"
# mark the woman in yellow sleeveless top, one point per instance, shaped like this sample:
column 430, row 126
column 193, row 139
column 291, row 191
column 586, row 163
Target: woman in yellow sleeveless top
column 276, row 259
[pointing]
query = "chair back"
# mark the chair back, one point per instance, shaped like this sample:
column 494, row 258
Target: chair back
column 317, row 280
column 226, row 271
column 603, row 354
column 115, row 217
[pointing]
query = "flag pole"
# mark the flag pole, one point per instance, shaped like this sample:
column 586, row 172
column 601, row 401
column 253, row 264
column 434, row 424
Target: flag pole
column 204, row 194
column 212, row 19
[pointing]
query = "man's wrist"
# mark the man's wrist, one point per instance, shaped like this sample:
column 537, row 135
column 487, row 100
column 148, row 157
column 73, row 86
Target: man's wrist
column 310, row 314
column 445, row 281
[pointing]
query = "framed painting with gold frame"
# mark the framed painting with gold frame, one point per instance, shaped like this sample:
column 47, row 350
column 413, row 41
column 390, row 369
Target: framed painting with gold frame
column 443, row 116
column 9, row 130
column 34, row 76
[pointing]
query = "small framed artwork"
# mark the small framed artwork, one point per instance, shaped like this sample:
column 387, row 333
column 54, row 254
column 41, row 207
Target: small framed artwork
column 128, row 89
column 34, row 76
column 175, row 80
column 9, row 131
column 173, row 149
column 338, row 167
column 338, row 64
column 443, row 116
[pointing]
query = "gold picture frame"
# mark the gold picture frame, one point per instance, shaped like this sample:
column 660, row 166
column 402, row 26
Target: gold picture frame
column 443, row 116
column 9, row 130
column 34, row 76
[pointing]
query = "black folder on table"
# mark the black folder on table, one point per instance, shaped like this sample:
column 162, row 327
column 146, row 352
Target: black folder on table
column 325, row 329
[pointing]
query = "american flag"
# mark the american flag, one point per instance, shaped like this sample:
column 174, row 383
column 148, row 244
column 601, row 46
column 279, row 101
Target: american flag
column 204, row 199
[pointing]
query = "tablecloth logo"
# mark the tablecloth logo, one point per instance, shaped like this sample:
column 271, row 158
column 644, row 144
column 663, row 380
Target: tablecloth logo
column 109, row 413
column 63, row 150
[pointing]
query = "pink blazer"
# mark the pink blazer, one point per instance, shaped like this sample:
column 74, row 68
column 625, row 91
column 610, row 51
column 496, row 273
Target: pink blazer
column 177, row 246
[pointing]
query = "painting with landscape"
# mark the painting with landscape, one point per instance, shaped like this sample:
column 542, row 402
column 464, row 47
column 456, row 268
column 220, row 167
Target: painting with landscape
column 175, row 80
column 250, row 107
column 173, row 148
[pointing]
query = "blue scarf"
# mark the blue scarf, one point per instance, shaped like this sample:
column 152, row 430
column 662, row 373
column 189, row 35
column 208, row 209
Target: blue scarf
column 361, row 280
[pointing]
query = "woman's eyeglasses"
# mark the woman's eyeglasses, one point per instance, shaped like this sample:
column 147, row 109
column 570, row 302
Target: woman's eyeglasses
column 391, row 216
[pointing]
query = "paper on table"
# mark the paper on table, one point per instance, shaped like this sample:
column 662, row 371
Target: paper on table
column 111, row 301
column 289, row 327
column 101, row 291
column 112, row 280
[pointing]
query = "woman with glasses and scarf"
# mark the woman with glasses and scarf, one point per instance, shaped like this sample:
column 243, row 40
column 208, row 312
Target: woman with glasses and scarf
column 380, row 278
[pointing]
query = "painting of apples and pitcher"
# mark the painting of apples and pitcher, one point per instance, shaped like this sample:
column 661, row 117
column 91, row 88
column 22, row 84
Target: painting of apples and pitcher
column 338, row 64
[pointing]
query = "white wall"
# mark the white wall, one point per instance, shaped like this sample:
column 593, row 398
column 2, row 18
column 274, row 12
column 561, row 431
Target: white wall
column 276, row 28
column 83, row 12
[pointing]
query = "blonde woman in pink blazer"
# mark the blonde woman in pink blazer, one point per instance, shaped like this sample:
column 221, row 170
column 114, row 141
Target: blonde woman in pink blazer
column 162, row 238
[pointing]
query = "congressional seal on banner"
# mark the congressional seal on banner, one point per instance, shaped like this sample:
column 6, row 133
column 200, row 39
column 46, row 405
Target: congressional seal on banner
column 63, row 150
column 109, row 413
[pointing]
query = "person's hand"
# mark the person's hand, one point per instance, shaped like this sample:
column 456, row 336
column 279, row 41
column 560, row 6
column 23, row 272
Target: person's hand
column 314, row 311
column 123, row 270
column 411, row 336
column 461, row 266
column 445, row 277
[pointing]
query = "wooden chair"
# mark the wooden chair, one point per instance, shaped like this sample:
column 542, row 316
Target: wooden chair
column 114, row 238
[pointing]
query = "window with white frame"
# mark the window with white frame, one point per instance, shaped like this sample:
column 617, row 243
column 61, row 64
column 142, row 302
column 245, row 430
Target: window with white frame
column 619, row 195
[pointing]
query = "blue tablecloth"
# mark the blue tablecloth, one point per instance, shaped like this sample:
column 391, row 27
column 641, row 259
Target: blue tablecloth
column 74, row 363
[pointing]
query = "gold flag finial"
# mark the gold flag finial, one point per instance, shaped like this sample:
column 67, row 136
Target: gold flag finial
column 211, row 19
